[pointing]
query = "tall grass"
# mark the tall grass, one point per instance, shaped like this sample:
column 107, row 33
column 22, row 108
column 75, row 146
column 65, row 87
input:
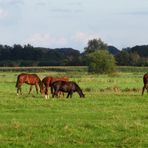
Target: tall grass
column 102, row 119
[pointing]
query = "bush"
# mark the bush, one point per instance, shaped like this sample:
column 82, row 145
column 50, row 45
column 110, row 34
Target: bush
column 101, row 62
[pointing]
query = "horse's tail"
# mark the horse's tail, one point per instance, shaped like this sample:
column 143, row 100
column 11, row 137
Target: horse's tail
column 51, row 89
column 145, row 79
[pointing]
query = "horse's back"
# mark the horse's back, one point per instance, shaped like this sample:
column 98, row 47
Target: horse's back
column 65, row 78
column 64, row 84
column 57, row 83
column 46, row 80
column 28, row 78
column 27, row 74
column 62, row 79
column 67, row 86
column 22, row 76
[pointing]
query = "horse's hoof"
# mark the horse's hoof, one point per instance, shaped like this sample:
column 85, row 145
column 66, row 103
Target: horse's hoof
column 46, row 97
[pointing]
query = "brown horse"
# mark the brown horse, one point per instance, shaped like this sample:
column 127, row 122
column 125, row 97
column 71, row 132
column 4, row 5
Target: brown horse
column 145, row 81
column 49, row 80
column 66, row 86
column 31, row 79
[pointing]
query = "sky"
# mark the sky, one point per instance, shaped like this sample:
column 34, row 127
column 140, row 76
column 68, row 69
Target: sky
column 72, row 23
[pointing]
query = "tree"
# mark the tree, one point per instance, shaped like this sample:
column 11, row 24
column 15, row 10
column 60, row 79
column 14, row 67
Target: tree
column 17, row 52
column 95, row 44
column 141, row 50
column 101, row 62
column 123, row 58
column 134, row 59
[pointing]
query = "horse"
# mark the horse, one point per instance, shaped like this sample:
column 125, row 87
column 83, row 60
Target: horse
column 145, row 81
column 31, row 79
column 66, row 86
column 48, row 80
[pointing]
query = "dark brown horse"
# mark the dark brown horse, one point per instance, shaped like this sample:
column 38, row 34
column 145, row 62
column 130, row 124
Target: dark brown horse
column 48, row 80
column 66, row 86
column 145, row 81
column 31, row 79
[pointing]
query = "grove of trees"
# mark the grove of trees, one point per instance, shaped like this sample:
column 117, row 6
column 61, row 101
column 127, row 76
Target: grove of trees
column 101, row 62
column 36, row 56
column 98, row 58
column 27, row 55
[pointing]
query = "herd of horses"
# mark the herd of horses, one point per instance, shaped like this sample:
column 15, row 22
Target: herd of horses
column 59, row 85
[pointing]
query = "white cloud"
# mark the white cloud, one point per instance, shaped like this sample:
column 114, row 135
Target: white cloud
column 12, row 2
column 10, row 12
column 45, row 40
column 41, row 39
column 62, row 41
column 3, row 14
column 79, row 39
column 83, row 38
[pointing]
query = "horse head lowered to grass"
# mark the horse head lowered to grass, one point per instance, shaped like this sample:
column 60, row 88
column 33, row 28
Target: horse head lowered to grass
column 66, row 86
column 31, row 79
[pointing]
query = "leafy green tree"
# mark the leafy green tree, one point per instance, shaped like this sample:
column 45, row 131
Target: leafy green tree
column 123, row 58
column 134, row 59
column 95, row 44
column 101, row 62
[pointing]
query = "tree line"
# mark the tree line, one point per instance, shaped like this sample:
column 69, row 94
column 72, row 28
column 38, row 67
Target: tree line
column 27, row 55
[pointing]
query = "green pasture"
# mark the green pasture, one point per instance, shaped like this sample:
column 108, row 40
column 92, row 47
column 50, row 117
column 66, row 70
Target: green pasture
column 113, row 113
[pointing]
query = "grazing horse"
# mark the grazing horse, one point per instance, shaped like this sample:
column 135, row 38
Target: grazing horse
column 66, row 86
column 31, row 79
column 145, row 81
column 47, row 81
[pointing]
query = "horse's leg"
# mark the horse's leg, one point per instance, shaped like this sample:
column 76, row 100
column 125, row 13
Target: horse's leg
column 143, row 89
column 30, row 89
column 19, row 89
column 46, row 92
column 52, row 91
column 55, row 93
column 61, row 93
column 71, row 94
column 36, row 87
column 68, row 94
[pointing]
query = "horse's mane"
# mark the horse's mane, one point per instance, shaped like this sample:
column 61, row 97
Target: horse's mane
column 76, row 85
column 40, row 82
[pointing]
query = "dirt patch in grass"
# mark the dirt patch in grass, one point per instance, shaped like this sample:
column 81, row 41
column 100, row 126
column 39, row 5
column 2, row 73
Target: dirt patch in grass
column 114, row 89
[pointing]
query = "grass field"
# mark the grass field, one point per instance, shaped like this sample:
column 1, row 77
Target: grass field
column 113, row 114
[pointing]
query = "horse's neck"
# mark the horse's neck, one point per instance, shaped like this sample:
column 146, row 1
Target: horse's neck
column 40, row 83
column 79, row 90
